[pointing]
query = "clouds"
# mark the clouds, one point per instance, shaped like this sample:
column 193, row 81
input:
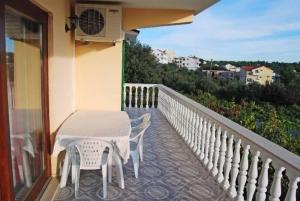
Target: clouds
column 231, row 30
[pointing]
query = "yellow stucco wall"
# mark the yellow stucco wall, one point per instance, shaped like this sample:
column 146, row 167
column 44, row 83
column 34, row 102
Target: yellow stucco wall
column 265, row 75
column 98, row 76
column 134, row 18
column 61, row 62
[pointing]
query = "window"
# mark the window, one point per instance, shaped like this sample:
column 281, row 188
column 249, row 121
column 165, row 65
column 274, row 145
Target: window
column 25, row 32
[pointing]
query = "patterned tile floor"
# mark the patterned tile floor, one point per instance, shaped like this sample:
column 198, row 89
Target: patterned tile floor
column 170, row 171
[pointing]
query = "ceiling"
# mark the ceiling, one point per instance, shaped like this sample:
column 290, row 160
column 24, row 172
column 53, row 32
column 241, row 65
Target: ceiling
column 196, row 5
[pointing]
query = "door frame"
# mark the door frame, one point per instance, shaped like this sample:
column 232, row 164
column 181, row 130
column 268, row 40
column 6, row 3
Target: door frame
column 6, row 184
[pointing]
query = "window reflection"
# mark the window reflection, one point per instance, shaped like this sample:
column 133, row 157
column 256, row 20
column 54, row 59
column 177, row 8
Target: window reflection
column 23, row 56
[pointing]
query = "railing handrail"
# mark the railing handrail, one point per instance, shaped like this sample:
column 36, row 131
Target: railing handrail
column 263, row 145
column 140, row 84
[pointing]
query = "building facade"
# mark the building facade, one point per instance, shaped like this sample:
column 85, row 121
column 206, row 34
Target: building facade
column 164, row 56
column 190, row 62
column 261, row 75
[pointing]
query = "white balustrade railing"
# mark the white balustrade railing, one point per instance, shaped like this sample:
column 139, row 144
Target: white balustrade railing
column 140, row 95
column 246, row 165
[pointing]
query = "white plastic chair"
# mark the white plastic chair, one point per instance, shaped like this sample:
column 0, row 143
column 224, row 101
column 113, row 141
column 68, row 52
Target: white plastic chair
column 136, row 148
column 136, row 125
column 138, row 121
column 90, row 155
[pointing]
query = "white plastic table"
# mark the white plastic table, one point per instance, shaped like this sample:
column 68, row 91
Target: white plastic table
column 113, row 126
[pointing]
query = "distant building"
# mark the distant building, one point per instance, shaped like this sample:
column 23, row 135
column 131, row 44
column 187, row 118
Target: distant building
column 190, row 62
column 164, row 56
column 232, row 68
column 261, row 75
column 220, row 74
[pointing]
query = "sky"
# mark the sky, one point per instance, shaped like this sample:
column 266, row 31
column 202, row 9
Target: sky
column 240, row 30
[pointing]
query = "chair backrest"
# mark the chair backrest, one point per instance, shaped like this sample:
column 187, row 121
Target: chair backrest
column 144, row 118
column 139, row 136
column 91, row 152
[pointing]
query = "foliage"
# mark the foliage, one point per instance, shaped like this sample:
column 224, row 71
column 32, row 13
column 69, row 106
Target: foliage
column 272, row 111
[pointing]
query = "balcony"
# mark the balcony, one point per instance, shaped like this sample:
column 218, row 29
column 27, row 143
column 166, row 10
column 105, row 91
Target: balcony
column 193, row 153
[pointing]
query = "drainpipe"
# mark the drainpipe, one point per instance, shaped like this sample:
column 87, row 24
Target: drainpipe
column 123, row 75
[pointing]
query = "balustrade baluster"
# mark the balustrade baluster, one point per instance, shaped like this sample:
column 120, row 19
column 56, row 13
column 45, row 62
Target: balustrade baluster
column 263, row 181
column 222, row 157
column 276, row 186
column 147, row 97
column 124, row 96
column 216, row 152
column 203, row 139
column 192, row 124
column 235, row 169
column 228, row 163
column 211, row 147
column 196, row 132
column 136, row 97
column 130, row 96
column 177, row 116
column 243, row 174
column 293, row 185
column 180, row 120
column 207, row 138
column 142, row 96
column 187, row 124
column 200, row 136
column 184, row 122
column 252, row 179
column 153, row 97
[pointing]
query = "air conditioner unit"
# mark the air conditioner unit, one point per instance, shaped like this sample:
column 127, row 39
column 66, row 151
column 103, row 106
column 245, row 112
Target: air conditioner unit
column 99, row 23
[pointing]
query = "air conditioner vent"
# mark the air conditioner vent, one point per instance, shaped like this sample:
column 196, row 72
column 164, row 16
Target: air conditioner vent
column 91, row 21
column 100, row 23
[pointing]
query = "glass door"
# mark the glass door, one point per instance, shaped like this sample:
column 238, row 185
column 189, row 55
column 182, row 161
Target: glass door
column 26, row 102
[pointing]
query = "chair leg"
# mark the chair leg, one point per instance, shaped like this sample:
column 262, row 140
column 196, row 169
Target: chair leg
column 141, row 148
column 135, row 160
column 104, row 180
column 27, row 171
column 120, row 175
column 77, row 180
column 109, row 164
column 65, row 170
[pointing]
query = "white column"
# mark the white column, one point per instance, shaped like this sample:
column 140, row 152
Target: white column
column 147, row 97
column 222, row 157
column 216, row 152
column 211, row 147
column 199, row 136
column 203, row 139
column 263, row 181
column 235, row 168
column 276, row 186
column 252, row 179
column 243, row 174
column 196, row 133
column 190, row 120
column 142, row 97
column 130, row 96
column 153, row 96
column 293, row 185
column 228, row 163
column 136, row 97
